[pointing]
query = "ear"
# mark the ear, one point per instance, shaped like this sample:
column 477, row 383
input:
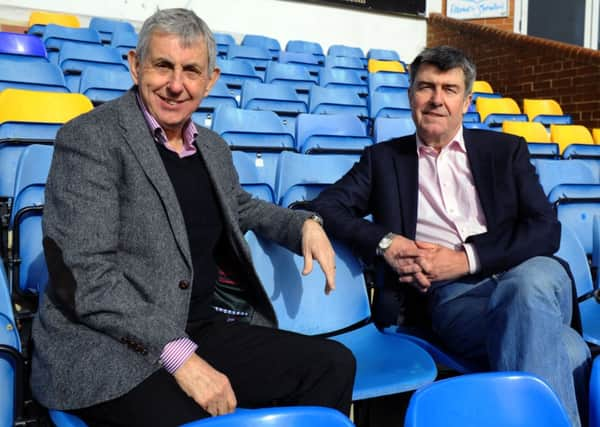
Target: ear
column 212, row 80
column 467, row 103
column 133, row 65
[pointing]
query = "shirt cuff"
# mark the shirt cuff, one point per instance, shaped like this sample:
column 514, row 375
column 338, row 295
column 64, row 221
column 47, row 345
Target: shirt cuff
column 472, row 258
column 176, row 353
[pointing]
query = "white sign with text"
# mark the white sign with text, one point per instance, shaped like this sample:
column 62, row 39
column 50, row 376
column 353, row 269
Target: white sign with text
column 474, row 9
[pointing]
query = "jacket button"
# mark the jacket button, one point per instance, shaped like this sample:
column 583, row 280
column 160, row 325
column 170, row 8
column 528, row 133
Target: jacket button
column 184, row 284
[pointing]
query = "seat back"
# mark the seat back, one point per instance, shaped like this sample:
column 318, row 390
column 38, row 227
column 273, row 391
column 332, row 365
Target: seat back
column 306, row 60
column 493, row 111
column 388, row 128
column 22, row 47
column 596, row 135
column 346, row 62
column 482, row 86
column 388, row 82
column 376, row 65
column 272, row 97
column 492, row 399
column 259, row 57
column 299, row 301
column 271, row 44
column 55, row 36
column 347, row 51
column 38, row 20
column 324, row 100
column 301, row 177
column 343, row 79
column 100, row 85
column 572, row 251
column 43, row 76
column 223, row 41
column 257, row 173
column 235, row 73
column 335, row 133
column 302, row 46
column 536, row 107
column 565, row 135
column 553, row 172
column 107, row 27
column 389, row 104
column 530, row 131
column 295, row 76
column 383, row 54
column 124, row 41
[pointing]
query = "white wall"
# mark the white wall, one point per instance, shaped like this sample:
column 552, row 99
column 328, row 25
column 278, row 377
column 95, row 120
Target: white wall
column 280, row 19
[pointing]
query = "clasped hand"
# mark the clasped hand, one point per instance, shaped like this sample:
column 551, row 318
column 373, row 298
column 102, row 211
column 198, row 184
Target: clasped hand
column 421, row 263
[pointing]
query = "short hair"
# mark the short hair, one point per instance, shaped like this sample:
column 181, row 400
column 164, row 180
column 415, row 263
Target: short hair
column 183, row 23
column 445, row 58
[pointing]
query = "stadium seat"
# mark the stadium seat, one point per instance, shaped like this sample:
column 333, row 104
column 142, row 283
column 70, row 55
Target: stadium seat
column 596, row 135
column 22, row 47
column 545, row 111
column 218, row 95
column 36, row 116
column 482, row 86
column 581, row 151
column 389, row 104
column 306, row 60
column 324, row 100
column 383, row 54
column 376, row 65
column 334, row 133
column 301, row 177
column 249, row 130
column 347, row 51
column 494, row 111
column 55, row 36
column 347, row 63
column 271, row 44
column 565, row 135
column 492, row 399
column 75, row 57
column 235, row 73
column 257, row 173
column 259, row 57
column 386, row 364
column 536, row 135
column 594, row 406
column 281, row 99
column 124, row 41
column 107, row 27
column 556, row 172
column 302, row 46
column 38, row 20
column 101, row 85
column 43, row 76
column 471, row 117
column 343, row 79
column 388, row 82
column 393, row 127
column 223, row 41
column 292, row 75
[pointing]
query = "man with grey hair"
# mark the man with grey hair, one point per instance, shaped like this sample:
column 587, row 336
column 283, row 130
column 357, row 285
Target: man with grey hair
column 154, row 314
column 462, row 236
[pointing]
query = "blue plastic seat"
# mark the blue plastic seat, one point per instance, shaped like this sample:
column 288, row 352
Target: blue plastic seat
column 257, row 173
column 388, row 128
column 124, row 41
column 74, row 57
column 493, row 399
column 107, row 27
column 555, row 172
column 249, row 130
column 223, row 41
column 235, row 73
column 302, row 46
column 43, row 76
column 306, row 60
column 347, row 51
column 337, row 101
column 259, row 57
column 271, row 44
column 22, row 47
column 343, row 79
column 101, row 85
column 594, row 406
column 56, row 35
column 389, row 104
column 543, row 150
column 388, row 82
column 347, row 63
column 218, row 95
column 331, row 133
column 582, row 151
column 301, row 177
column 386, row 364
column 293, row 75
column 383, row 54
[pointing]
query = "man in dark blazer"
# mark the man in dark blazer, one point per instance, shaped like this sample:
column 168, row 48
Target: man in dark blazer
column 154, row 314
column 462, row 235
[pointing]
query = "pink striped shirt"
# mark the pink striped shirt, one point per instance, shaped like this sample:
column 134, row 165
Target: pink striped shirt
column 449, row 209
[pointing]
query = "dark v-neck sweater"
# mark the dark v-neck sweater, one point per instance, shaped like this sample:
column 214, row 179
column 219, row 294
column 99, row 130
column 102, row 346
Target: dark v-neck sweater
column 203, row 221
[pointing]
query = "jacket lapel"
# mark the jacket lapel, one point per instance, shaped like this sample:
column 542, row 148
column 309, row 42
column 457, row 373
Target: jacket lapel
column 407, row 180
column 137, row 135
column 482, row 167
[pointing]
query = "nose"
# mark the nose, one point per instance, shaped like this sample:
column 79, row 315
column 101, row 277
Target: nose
column 175, row 84
column 436, row 97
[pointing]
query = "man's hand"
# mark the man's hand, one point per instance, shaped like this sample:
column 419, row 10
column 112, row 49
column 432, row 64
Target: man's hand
column 440, row 263
column 315, row 244
column 207, row 386
column 402, row 256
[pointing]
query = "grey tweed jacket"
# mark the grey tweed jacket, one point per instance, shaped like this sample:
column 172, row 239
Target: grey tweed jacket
column 118, row 256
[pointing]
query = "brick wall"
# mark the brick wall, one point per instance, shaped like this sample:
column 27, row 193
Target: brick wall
column 520, row 66
column 499, row 23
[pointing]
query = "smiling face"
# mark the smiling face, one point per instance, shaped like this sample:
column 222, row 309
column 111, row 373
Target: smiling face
column 438, row 100
column 172, row 80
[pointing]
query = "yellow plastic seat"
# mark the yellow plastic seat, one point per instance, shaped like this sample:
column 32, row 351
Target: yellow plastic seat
column 531, row 131
column 536, row 107
column 502, row 106
column 375, row 65
column 17, row 105
column 38, row 17
column 481, row 86
column 596, row 135
column 564, row 135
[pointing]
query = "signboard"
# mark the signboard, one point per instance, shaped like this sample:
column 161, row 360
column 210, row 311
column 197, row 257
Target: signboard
column 411, row 7
column 475, row 9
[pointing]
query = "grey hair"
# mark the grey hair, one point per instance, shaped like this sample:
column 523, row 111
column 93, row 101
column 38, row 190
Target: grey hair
column 184, row 24
column 445, row 58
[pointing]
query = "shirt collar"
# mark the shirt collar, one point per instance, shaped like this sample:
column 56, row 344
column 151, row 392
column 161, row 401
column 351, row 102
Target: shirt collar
column 457, row 143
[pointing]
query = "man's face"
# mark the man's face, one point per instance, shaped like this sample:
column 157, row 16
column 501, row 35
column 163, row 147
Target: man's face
column 172, row 80
column 438, row 101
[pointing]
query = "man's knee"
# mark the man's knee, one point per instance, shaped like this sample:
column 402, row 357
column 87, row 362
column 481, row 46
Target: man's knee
column 341, row 360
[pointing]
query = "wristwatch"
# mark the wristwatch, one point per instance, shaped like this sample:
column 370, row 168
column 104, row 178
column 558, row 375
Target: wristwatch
column 317, row 219
column 384, row 243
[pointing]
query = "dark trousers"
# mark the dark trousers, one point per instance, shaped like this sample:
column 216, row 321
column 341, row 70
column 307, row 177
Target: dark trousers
column 266, row 367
